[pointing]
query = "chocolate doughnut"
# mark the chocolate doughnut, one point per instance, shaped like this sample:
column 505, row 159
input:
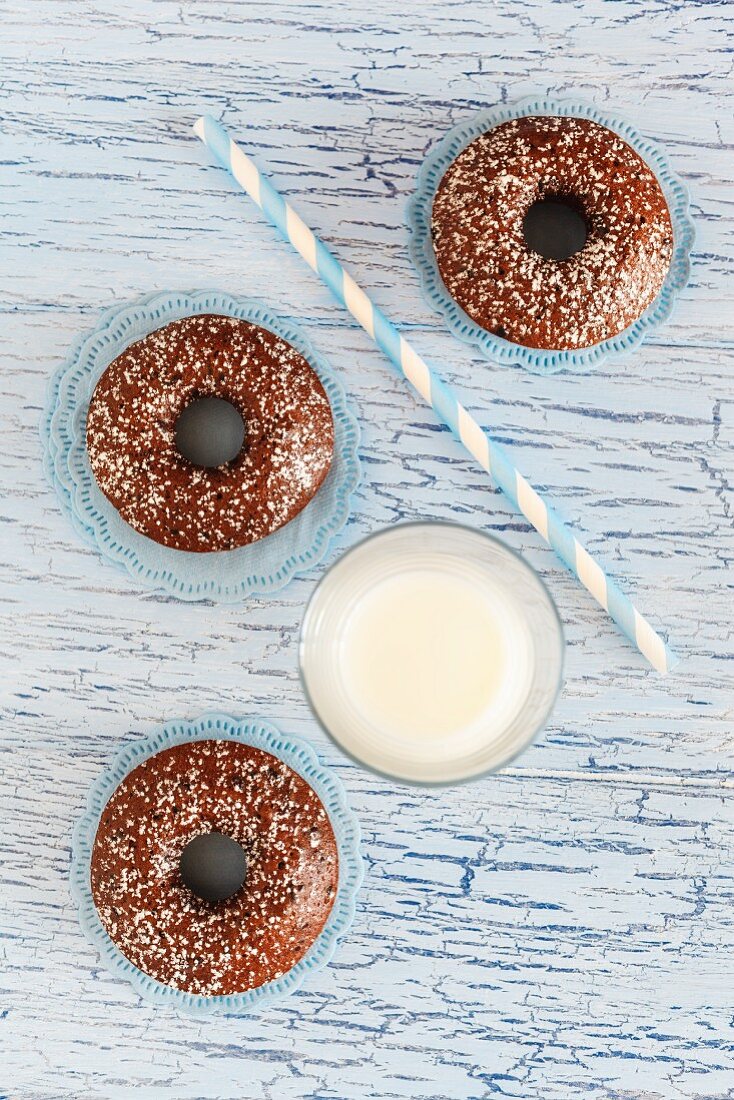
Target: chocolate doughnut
column 131, row 433
column 507, row 288
column 292, row 867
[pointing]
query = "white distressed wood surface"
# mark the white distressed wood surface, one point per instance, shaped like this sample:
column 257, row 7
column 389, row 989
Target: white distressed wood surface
column 564, row 929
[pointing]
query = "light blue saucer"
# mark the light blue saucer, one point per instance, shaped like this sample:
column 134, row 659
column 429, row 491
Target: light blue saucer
column 494, row 347
column 223, row 577
column 297, row 755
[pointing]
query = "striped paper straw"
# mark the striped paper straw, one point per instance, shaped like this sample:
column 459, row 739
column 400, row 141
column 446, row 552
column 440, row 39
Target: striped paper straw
column 432, row 389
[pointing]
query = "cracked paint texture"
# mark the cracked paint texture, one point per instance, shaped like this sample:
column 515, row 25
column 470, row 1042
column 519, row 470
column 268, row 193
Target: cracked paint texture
column 563, row 930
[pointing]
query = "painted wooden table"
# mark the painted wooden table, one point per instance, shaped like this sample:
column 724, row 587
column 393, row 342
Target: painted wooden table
column 565, row 928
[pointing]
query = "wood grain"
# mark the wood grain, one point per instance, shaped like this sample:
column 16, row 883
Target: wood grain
column 563, row 929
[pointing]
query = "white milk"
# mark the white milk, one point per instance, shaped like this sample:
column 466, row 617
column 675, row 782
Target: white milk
column 431, row 653
column 436, row 660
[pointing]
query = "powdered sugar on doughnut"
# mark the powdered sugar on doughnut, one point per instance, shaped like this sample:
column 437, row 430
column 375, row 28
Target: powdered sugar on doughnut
column 486, row 264
column 251, row 938
column 289, row 433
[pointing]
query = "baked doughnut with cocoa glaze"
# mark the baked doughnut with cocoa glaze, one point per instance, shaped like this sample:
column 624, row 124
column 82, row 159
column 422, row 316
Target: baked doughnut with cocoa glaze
column 507, row 288
column 131, row 433
column 292, row 867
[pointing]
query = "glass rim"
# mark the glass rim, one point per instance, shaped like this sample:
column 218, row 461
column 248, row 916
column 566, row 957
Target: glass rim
column 538, row 726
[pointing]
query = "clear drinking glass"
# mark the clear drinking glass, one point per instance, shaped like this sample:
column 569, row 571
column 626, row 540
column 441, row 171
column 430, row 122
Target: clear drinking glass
column 428, row 581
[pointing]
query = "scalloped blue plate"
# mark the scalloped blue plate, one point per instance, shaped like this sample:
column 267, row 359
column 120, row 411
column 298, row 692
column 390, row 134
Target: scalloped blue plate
column 297, row 755
column 226, row 576
column 494, row 347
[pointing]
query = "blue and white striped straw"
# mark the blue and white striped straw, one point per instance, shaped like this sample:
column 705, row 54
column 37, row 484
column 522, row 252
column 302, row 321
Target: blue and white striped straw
column 432, row 389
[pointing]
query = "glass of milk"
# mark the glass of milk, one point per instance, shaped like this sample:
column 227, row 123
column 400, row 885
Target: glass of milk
column 431, row 653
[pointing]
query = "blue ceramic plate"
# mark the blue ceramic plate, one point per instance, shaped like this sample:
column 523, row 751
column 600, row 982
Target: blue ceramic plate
column 223, row 577
column 297, row 755
column 494, row 347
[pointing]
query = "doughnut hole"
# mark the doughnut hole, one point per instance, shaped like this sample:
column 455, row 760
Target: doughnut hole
column 213, row 866
column 555, row 227
column 210, row 432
